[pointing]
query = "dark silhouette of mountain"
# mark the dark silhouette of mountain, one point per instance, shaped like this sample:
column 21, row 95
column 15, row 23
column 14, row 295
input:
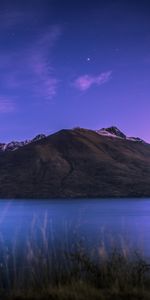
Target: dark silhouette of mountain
column 76, row 163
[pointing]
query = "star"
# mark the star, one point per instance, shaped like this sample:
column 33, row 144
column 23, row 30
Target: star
column 88, row 59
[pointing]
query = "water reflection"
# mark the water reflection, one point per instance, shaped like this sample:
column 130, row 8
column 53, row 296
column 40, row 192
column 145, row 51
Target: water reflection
column 104, row 223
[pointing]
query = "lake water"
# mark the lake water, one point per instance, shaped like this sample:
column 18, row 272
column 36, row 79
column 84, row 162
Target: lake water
column 123, row 223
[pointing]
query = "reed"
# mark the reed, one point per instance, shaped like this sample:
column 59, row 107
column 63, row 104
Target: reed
column 40, row 268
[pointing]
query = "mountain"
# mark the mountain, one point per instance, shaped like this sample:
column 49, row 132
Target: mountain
column 112, row 131
column 76, row 163
column 116, row 133
column 12, row 146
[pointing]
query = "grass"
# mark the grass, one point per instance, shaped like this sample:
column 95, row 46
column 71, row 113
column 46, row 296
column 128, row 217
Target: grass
column 36, row 269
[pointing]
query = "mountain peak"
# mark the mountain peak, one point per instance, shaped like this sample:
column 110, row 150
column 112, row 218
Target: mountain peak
column 112, row 131
column 38, row 137
column 14, row 145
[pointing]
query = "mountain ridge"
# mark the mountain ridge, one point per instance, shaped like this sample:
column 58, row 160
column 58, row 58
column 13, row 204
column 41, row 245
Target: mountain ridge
column 112, row 131
column 14, row 145
column 77, row 163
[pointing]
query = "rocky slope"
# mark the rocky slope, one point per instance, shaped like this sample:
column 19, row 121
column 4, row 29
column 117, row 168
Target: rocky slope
column 116, row 133
column 12, row 146
column 76, row 163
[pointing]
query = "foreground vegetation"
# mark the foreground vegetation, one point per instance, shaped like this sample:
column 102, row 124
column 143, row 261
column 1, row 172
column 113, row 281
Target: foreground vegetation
column 37, row 268
column 40, row 273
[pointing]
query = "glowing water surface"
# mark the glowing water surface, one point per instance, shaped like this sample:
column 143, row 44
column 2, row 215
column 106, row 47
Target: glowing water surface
column 112, row 223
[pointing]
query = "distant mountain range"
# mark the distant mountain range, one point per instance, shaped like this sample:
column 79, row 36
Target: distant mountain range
column 15, row 145
column 76, row 163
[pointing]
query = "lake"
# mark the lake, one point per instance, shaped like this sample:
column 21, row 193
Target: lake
column 121, row 223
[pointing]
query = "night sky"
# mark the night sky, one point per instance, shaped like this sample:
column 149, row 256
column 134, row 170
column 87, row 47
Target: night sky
column 74, row 63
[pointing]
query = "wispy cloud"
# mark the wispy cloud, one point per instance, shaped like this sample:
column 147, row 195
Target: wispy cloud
column 84, row 82
column 39, row 59
column 27, row 68
column 30, row 69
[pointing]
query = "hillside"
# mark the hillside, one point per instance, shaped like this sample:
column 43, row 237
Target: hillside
column 76, row 163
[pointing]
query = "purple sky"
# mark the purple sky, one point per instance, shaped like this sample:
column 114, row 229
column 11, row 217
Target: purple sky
column 74, row 63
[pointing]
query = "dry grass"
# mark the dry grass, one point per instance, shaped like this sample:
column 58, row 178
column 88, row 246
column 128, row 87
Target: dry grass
column 40, row 270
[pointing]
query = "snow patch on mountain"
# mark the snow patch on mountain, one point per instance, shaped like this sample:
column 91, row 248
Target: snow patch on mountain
column 136, row 139
column 14, row 145
column 114, row 132
column 111, row 132
column 106, row 133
